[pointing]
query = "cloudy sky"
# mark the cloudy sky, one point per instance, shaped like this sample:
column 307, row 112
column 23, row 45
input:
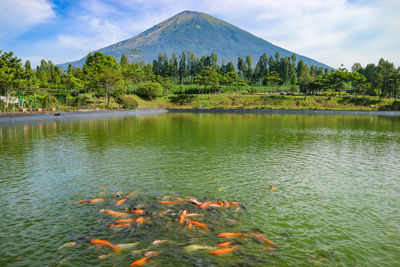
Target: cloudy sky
column 334, row 32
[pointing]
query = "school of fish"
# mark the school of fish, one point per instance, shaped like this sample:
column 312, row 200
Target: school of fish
column 200, row 223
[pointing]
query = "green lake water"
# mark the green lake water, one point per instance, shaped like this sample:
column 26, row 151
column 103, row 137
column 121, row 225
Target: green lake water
column 336, row 203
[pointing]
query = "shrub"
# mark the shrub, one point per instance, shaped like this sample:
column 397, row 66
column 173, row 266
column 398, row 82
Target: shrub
column 149, row 90
column 127, row 102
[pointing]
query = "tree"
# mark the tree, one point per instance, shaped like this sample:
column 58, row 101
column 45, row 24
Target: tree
column 242, row 68
column 338, row 79
column 149, row 90
column 11, row 75
column 93, row 69
column 273, row 79
column 358, row 81
column 110, row 84
column 208, row 76
column 394, row 83
column 249, row 67
column 124, row 61
column 182, row 67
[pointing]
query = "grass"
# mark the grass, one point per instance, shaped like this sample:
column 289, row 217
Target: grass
column 266, row 101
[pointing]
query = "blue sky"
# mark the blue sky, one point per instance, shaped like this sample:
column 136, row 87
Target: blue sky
column 334, row 32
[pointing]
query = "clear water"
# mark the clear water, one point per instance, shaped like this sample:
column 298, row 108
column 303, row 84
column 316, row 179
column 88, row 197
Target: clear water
column 336, row 203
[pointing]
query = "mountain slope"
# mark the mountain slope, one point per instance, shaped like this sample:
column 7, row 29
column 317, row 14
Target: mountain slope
column 198, row 33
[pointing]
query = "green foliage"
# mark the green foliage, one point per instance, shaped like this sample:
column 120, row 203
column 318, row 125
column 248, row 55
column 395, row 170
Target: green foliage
column 149, row 90
column 208, row 76
column 127, row 102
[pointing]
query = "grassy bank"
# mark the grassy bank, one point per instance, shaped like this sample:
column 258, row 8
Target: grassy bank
column 234, row 101
column 266, row 101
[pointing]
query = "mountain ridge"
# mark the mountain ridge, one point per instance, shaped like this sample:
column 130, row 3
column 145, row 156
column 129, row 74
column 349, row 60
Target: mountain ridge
column 199, row 33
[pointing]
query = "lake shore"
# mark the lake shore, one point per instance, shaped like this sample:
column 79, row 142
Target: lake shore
column 85, row 114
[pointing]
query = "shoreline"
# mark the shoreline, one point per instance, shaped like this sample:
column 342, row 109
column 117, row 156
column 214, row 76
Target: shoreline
column 63, row 115
column 7, row 118
column 289, row 111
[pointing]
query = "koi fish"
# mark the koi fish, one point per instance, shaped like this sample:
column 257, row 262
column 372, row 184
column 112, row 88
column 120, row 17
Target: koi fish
column 124, row 220
column 101, row 186
column 120, row 202
column 141, row 220
column 222, row 251
column 272, row 188
column 137, row 211
column 81, row 201
column 156, row 242
column 211, row 204
column 260, row 238
column 120, row 225
column 191, row 248
column 67, row 245
column 128, row 246
column 194, row 215
column 99, row 243
column 182, row 218
column 230, row 235
column 224, row 244
column 162, row 212
column 194, row 201
column 166, row 202
column 96, row 200
column 197, row 224
column 151, row 254
column 140, row 262
column 114, row 213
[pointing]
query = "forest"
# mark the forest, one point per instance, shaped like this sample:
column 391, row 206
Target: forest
column 103, row 82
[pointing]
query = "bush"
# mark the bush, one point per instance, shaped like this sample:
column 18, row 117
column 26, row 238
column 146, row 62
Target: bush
column 149, row 90
column 127, row 102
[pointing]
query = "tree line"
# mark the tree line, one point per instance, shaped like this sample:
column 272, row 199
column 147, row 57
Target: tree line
column 104, row 76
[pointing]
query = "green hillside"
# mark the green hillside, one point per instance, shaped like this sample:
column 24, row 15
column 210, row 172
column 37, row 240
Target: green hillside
column 198, row 33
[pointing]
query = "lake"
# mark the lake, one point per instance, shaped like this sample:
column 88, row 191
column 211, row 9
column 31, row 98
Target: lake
column 336, row 199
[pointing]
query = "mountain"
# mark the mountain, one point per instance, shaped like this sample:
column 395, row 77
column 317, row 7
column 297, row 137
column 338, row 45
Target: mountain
column 198, row 33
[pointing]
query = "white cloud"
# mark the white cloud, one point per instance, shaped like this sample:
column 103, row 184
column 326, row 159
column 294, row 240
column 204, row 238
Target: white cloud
column 17, row 16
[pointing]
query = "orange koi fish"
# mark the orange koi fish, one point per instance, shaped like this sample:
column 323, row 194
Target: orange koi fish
column 263, row 239
column 182, row 218
column 99, row 243
column 137, row 211
column 211, row 204
column 222, row 251
column 226, row 203
column 191, row 224
column 166, row 202
column 194, row 215
column 101, row 186
column 96, row 200
column 272, row 188
column 120, row 202
column 114, row 213
column 141, row 220
column 230, row 235
column 120, row 225
column 224, row 244
column 140, row 262
column 124, row 220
